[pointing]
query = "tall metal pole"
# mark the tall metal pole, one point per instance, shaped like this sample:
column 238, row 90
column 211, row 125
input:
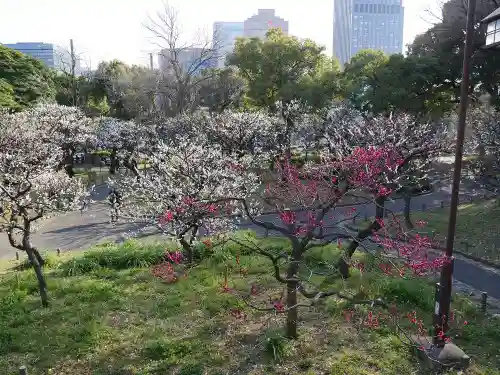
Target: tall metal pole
column 73, row 73
column 443, row 309
column 151, row 66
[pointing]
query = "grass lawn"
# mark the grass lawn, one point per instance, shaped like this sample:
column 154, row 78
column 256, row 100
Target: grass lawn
column 478, row 227
column 109, row 315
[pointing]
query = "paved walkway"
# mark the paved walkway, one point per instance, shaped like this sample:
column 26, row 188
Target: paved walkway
column 79, row 231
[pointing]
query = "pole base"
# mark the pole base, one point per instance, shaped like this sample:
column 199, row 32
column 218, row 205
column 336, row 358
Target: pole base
column 440, row 358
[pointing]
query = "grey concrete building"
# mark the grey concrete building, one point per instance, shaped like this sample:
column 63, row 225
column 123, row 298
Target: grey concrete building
column 224, row 37
column 259, row 24
column 342, row 30
column 191, row 60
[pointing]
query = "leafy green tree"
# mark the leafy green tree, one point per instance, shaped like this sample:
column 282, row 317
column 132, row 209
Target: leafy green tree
column 7, row 95
column 283, row 68
column 359, row 76
column 445, row 42
column 222, row 89
column 23, row 80
column 285, row 75
column 128, row 91
column 410, row 84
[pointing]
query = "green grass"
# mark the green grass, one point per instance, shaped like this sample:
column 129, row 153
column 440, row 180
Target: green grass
column 109, row 315
column 477, row 232
column 478, row 228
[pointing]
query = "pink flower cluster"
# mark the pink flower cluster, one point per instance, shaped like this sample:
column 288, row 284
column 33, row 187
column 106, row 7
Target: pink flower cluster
column 364, row 166
column 375, row 320
column 175, row 257
column 415, row 250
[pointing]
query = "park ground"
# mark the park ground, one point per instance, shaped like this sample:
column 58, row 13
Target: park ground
column 109, row 315
column 477, row 230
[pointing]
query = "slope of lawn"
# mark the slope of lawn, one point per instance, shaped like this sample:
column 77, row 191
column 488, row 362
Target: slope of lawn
column 478, row 228
column 109, row 315
column 477, row 232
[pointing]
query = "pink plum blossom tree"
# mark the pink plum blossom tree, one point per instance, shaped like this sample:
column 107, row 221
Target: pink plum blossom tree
column 310, row 216
column 418, row 143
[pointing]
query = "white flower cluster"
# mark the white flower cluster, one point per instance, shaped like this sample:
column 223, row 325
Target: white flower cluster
column 189, row 186
column 30, row 152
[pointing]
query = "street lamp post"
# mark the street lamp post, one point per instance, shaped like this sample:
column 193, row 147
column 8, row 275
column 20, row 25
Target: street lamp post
column 442, row 309
column 440, row 352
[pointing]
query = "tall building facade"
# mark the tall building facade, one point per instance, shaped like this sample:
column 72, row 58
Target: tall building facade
column 224, row 37
column 52, row 55
column 342, row 29
column 259, row 24
column 367, row 24
column 192, row 60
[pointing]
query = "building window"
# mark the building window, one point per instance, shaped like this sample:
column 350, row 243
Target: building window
column 493, row 33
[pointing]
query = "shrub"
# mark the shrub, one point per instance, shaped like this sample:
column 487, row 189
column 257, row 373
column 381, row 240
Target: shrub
column 192, row 369
column 128, row 255
column 51, row 261
column 102, row 153
column 277, row 346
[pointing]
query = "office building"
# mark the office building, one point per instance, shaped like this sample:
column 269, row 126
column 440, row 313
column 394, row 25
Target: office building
column 191, row 60
column 52, row 55
column 342, row 29
column 224, row 37
column 367, row 24
column 265, row 19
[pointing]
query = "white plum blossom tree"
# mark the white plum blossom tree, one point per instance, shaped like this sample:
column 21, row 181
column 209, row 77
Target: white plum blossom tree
column 31, row 188
column 175, row 130
column 189, row 191
column 125, row 139
column 69, row 127
column 240, row 133
column 484, row 138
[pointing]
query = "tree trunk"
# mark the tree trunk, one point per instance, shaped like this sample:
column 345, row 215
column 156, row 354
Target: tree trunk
column 34, row 257
column 342, row 264
column 407, row 209
column 114, row 162
column 38, row 256
column 292, row 313
column 291, row 296
column 42, row 285
column 131, row 164
column 188, row 250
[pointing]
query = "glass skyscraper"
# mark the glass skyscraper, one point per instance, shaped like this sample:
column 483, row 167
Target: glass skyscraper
column 40, row 51
column 367, row 24
column 52, row 55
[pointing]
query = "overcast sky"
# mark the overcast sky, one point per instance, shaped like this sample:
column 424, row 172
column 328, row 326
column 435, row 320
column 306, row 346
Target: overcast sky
column 107, row 29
